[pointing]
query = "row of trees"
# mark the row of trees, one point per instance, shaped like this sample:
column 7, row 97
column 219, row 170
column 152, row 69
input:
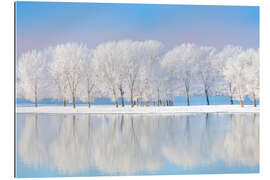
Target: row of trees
column 140, row 72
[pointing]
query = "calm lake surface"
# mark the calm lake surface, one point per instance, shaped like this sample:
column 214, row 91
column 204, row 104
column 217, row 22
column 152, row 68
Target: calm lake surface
column 52, row 145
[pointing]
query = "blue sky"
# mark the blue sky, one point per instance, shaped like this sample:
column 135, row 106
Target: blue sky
column 43, row 24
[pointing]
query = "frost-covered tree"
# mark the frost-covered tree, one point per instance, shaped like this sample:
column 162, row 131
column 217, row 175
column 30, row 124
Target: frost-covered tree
column 141, row 95
column 133, row 65
column 32, row 75
column 87, row 87
column 68, row 60
column 57, row 76
column 122, row 55
column 145, row 88
column 253, row 75
column 137, row 71
column 235, row 70
column 180, row 63
column 206, row 70
column 167, row 89
column 224, row 84
column 118, row 65
column 106, row 66
column 19, row 89
column 162, row 87
column 153, row 51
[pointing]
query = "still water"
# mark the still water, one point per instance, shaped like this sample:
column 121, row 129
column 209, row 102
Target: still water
column 53, row 145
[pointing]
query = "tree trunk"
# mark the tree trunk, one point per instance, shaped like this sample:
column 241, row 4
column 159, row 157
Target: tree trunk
column 122, row 96
column 73, row 101
column 122, row 100
column 65, row 102
column 159, row 102
column 207, row 97
column 36, row 96
column 231, row 92
column 242, row 103
column 131, row 98
column 171, row 102
column 231, row 99
column 187, row 92
column 116, row 103
column 88, row 97
column 115, row 98
column 254, row 100
column 36, row 101
column 158, row 98
column 137, row 102
column 188, row 100
column 147, row 103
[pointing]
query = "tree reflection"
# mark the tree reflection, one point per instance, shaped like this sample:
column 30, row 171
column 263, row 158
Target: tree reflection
column 126, row 150
column 32, row 148
column 189, row 151
column 133, row 144
column 241, row 143
column 68, row 150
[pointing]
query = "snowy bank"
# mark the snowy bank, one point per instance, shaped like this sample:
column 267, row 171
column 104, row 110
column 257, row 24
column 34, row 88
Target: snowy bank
column 134, row 110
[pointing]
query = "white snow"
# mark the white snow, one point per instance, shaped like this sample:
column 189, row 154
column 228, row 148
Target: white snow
column 141, row 110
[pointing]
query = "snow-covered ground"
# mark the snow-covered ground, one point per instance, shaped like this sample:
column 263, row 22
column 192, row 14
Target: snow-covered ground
column 143, row 110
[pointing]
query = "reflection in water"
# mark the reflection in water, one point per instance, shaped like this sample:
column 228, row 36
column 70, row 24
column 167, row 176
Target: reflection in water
column 32, row 147
column 134, row 144
column 69, row 150
column 241, row 143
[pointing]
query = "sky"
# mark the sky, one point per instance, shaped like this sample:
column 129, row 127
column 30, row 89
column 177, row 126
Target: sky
column 43, row 24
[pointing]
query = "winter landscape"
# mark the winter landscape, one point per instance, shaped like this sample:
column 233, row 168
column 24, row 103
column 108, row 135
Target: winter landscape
column 136, row 89
column 138, row 71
